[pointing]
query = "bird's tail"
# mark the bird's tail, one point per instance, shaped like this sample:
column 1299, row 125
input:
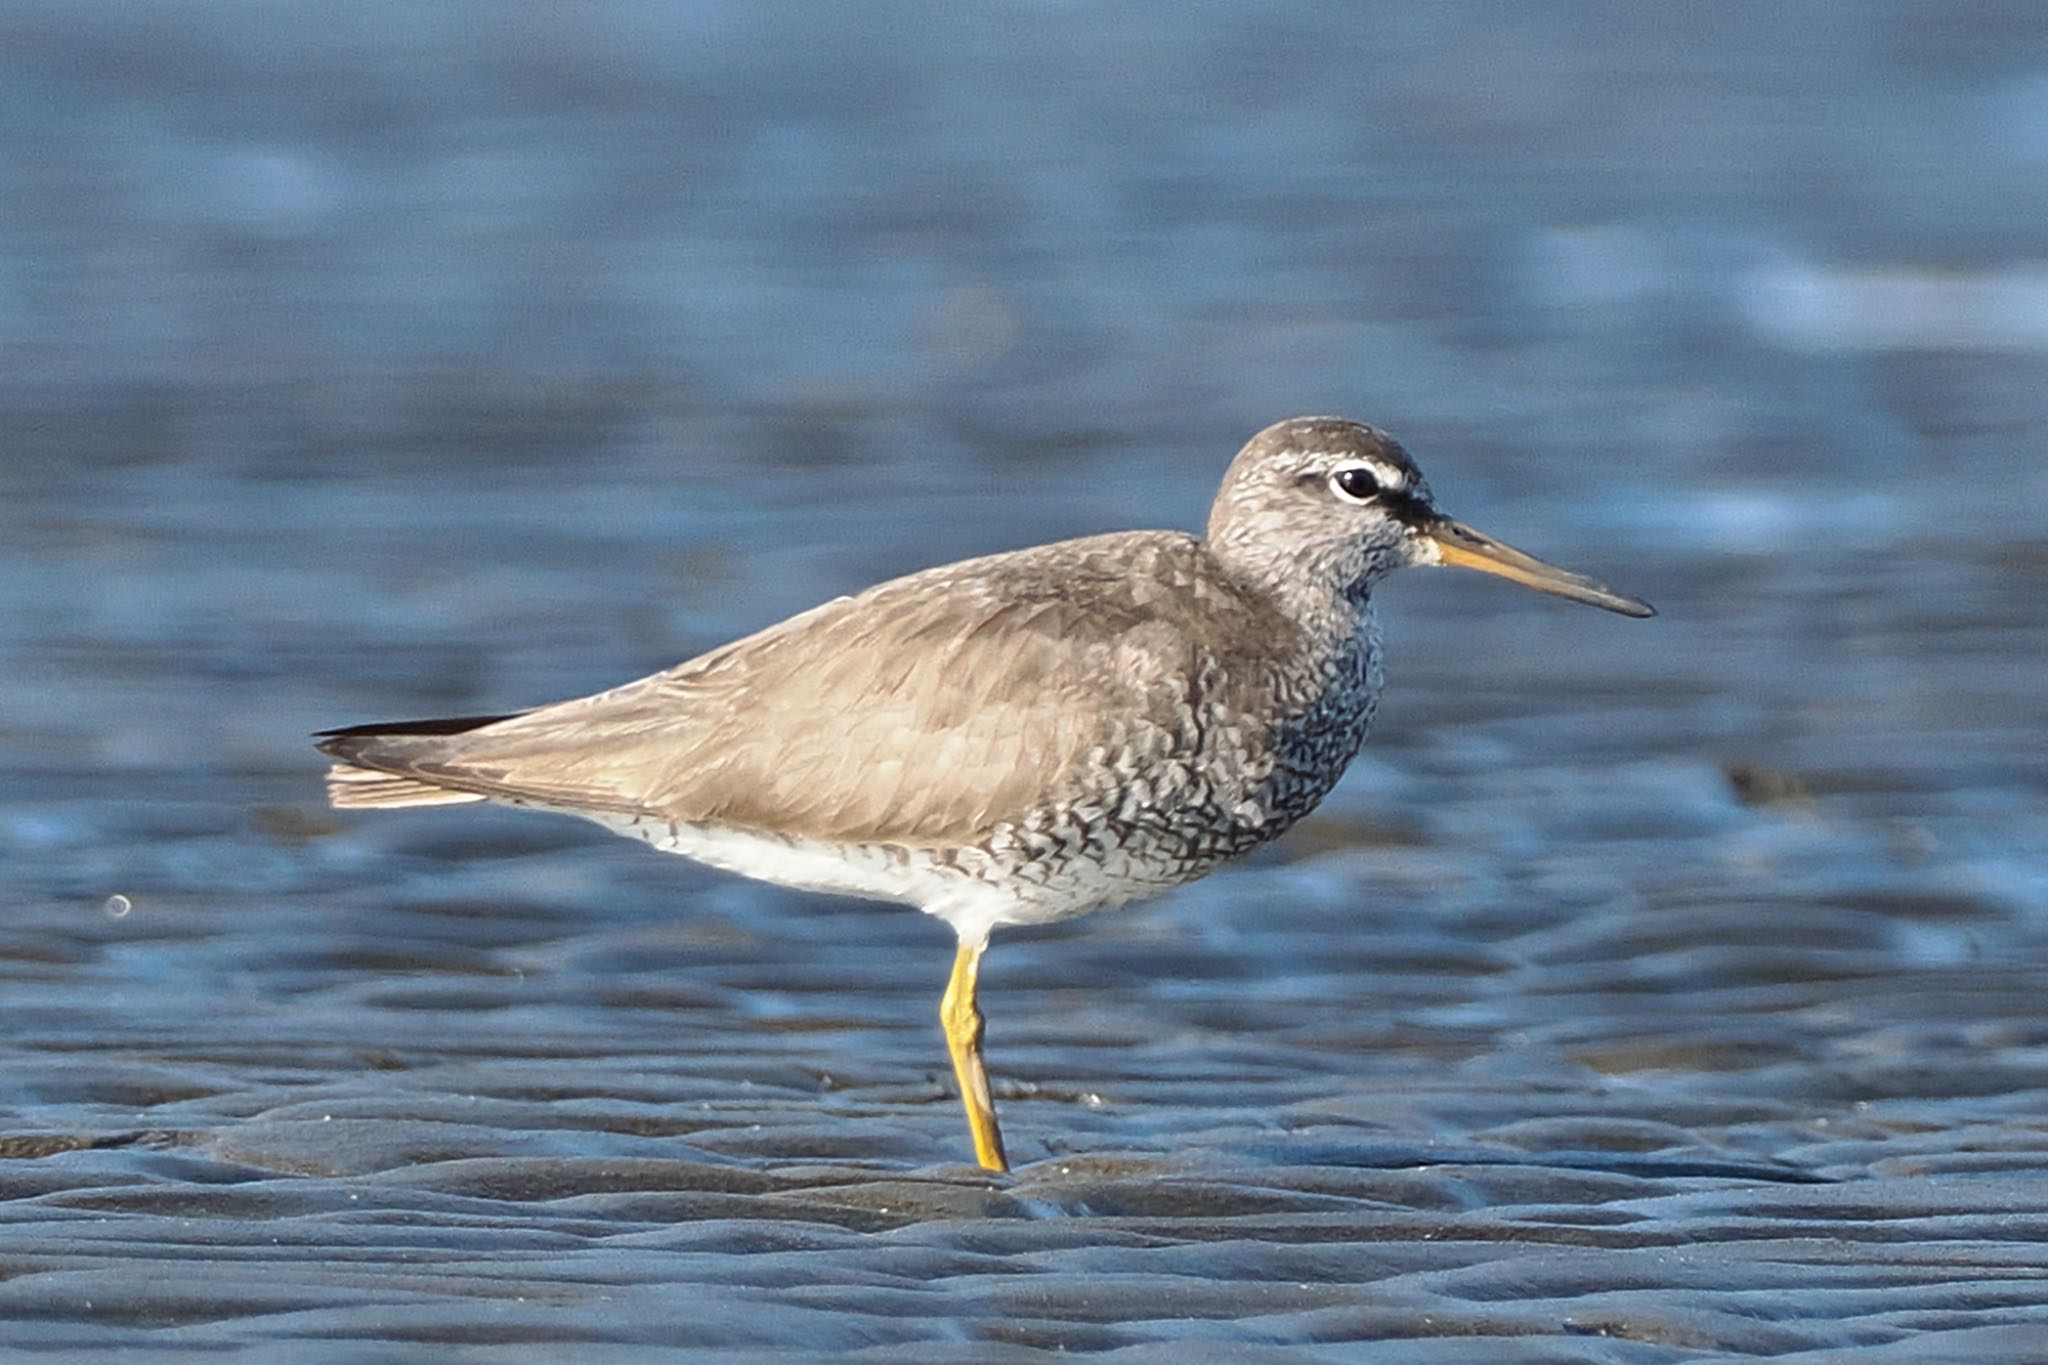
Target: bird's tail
column 353, row 788
column 375, row 767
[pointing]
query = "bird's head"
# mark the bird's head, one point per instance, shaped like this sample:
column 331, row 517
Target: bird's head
column 1343, row 503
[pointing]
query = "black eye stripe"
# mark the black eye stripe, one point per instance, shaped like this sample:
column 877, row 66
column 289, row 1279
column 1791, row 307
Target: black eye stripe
column 1404, row 501
column 1408, row 509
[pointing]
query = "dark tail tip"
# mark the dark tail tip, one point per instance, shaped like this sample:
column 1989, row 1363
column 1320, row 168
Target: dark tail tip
column 345, row 741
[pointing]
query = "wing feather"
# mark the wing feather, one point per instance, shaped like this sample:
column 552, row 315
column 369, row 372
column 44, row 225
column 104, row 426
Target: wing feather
column 923, row 711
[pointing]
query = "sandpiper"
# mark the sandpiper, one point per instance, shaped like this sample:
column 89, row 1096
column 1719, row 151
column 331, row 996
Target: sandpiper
column 1007, row 740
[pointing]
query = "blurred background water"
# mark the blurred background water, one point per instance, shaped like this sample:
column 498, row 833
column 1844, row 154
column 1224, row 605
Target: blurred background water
column 1648, row 992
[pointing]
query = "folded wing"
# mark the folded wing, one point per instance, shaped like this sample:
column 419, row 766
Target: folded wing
column 923, row 711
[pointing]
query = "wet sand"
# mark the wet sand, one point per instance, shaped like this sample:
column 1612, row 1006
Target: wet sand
column 1649, row 992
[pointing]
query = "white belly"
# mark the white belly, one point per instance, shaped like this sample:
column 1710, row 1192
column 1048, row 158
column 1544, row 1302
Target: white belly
column 886, row 872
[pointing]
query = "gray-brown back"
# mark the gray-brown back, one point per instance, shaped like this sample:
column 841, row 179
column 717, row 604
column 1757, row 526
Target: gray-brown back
column 1126, row 679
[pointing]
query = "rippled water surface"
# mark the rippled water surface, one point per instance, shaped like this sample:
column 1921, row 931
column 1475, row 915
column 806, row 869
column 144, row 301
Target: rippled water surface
column 1649, row 992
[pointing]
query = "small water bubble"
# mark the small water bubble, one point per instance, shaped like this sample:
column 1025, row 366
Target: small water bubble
column 117, row 906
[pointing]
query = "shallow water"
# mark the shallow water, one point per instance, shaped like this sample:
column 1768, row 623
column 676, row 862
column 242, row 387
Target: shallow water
column 1648, row 992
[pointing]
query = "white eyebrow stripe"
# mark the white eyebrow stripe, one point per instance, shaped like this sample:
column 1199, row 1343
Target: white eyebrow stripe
column 1391, row 477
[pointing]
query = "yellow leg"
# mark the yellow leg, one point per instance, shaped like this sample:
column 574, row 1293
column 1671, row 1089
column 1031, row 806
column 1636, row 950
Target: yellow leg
column 962, row 1020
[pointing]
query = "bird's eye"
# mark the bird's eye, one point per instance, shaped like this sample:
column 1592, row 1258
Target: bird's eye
column 1355, row 483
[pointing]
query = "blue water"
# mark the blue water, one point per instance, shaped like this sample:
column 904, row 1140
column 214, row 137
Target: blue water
column 1649, row 992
